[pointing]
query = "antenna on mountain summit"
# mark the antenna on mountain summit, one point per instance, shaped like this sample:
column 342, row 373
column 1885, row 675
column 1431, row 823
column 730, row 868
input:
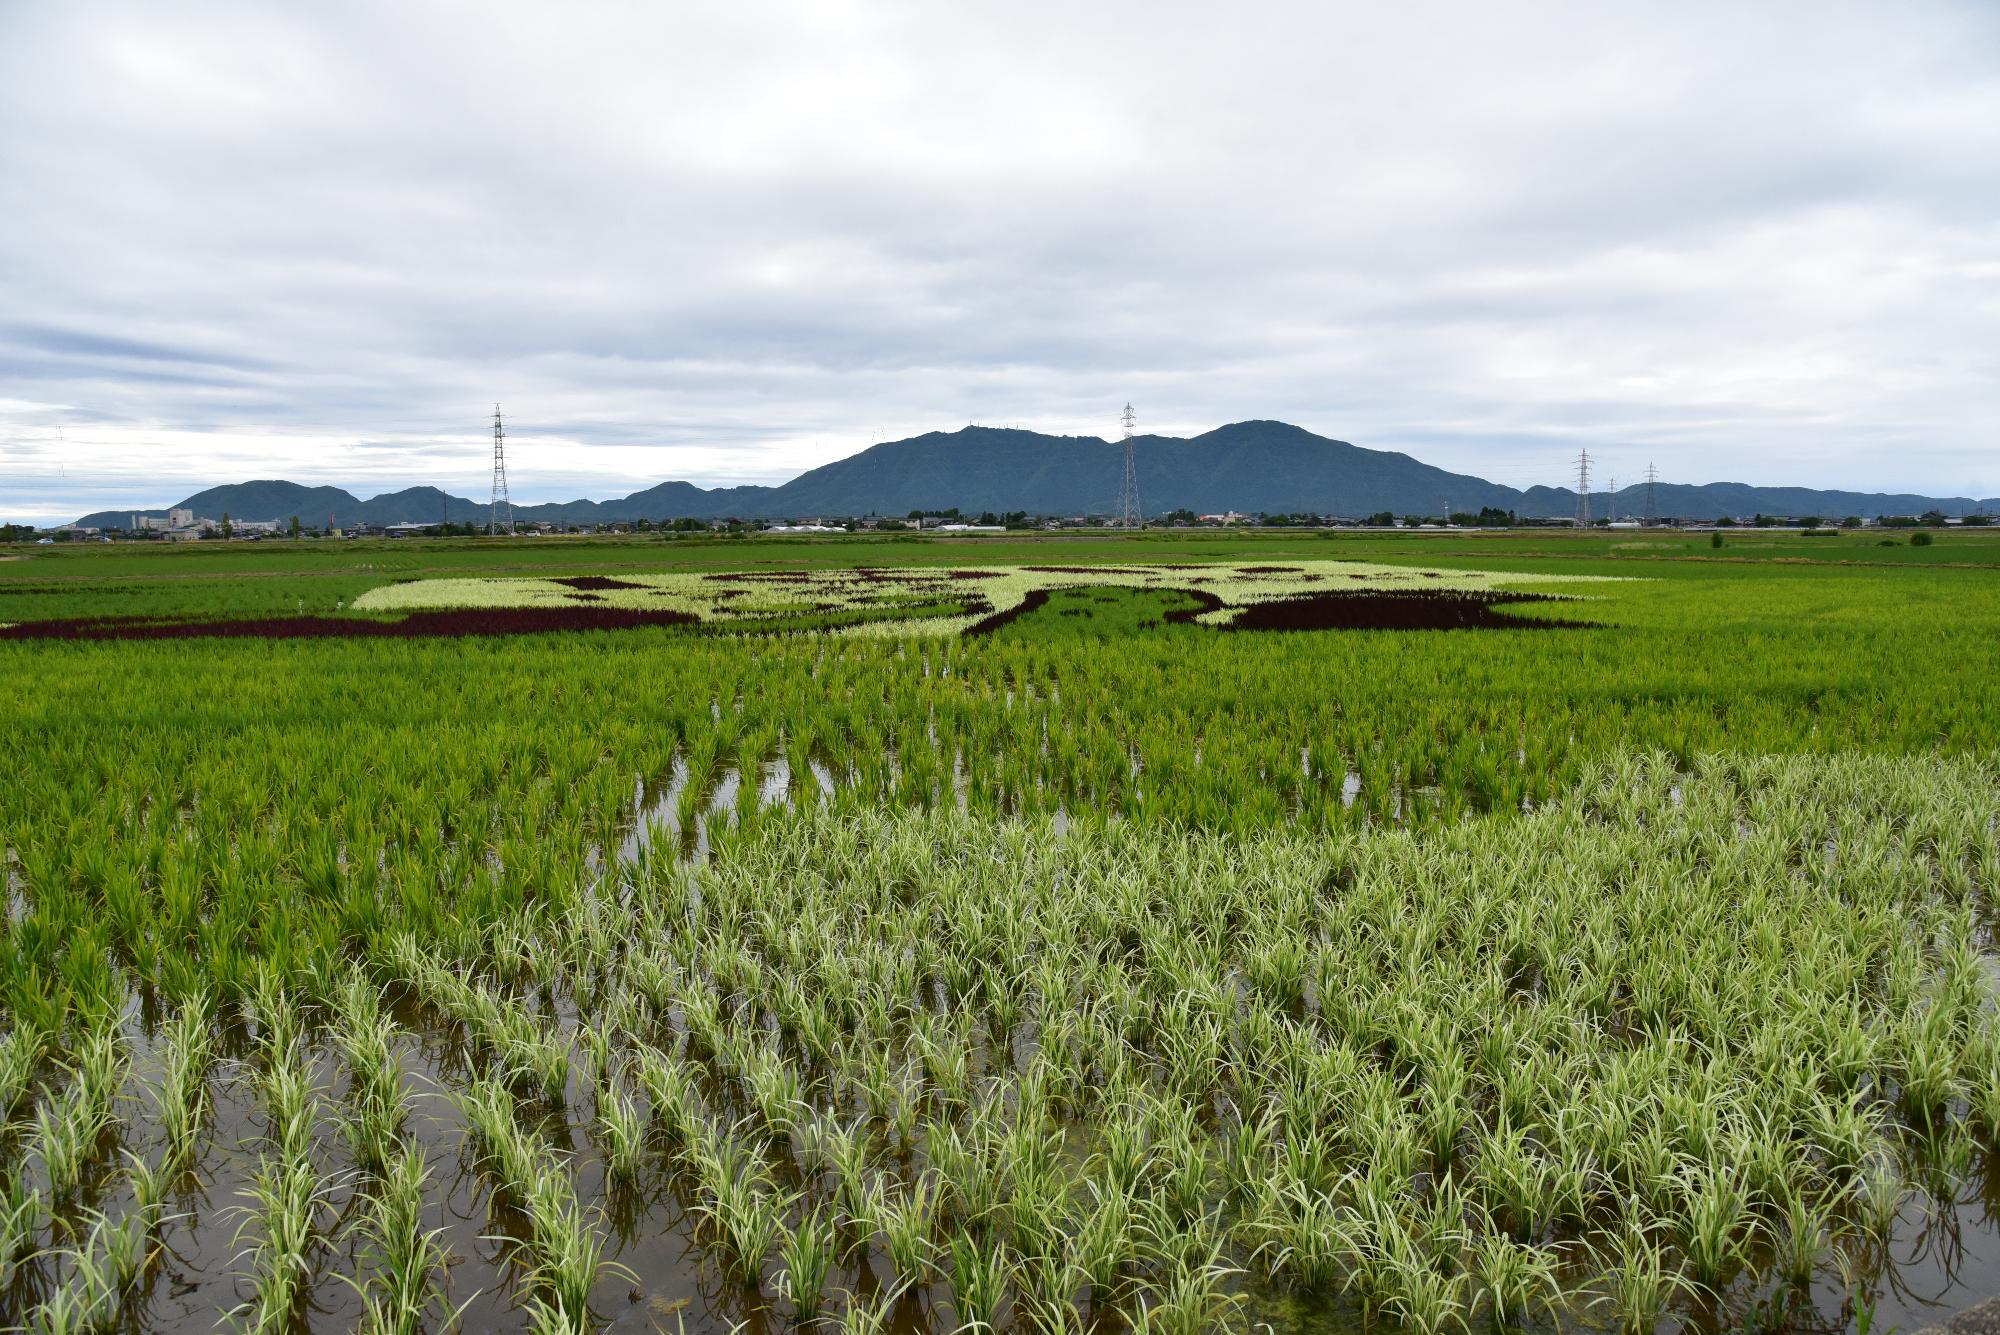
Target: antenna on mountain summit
column 1129, row 515
column 502, row 503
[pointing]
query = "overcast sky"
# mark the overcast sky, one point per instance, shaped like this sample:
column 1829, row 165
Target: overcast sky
column 728, row 242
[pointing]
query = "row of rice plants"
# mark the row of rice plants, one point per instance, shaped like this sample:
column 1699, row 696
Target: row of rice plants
column 1675, row 1037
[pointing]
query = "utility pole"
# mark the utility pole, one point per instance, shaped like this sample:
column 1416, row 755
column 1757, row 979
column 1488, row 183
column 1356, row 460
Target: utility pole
column 1583, row 489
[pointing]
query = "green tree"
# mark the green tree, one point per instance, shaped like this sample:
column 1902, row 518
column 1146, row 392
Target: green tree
column 295, row 526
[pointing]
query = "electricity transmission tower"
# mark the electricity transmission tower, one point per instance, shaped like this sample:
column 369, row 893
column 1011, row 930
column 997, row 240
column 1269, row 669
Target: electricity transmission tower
column 1583, row 489
column 1612, row 495
column 502, row 503
column 1652, row 511
column 1129, row 515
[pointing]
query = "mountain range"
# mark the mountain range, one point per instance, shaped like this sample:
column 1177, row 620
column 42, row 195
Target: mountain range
column 1251, row 467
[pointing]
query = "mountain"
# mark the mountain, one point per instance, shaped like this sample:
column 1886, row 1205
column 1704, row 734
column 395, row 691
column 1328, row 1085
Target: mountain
column 1247, row 466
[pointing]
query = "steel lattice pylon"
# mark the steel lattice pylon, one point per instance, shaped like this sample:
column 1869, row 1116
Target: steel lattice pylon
column 1129, row 514
column 502, row 504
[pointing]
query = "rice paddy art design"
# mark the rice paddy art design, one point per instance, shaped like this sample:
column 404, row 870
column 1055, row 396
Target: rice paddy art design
column 955, row 601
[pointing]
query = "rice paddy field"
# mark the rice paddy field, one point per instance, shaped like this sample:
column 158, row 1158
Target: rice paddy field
column 1165, row 932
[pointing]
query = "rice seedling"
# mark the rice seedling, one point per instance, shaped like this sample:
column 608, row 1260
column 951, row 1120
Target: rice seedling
column 979, row 1273
column 1640, row 1287
column 287, row 1200
column 568, row 1253
column 21, row 1052
column 182, row 1096
column 514, row 1158
column 1802, row 1240
column 748, row 1220
column 1879, row 1193
column 23, row 1214
column 403, row 1263
column 622, row 1133
column 870, row 1317
column 905, row 1219
column 807, row 1254
column 150, row 1185
column 1709, row 1226
column 66, row 1134
column 1189, row 1299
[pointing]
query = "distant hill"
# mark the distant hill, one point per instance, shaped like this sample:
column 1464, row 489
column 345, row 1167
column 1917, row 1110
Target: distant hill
column 1247, row 466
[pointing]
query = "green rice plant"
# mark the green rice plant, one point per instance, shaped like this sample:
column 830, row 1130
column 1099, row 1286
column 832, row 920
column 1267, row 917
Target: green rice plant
column 905, row 1219
column 1422, row 1296
column 1515, row 1281
column 372, row 1128
column 775, row 1088
column 1104, row 1244
column 103, row 1270
column 1047, row 1282
column 513, row 1157
column 748, row 1220
column 101, row 1064
column 1191, row 1298
column 548, row 1316
column 594, row 1043
column 1640, row 1287
column 23, row 1214
column 21, row 1053
column 403, row 1262
column 979, row 1275
column 66, row 1135
column 669, row 1086
column 150, row 1184
column 807, row 1253
column 1879, row 1193
column 846, row 1151
column 182, row 1096
column 1802, row 1240
column 568, row 1253
column 874, row 1317
column 1301, row 1235
column 622, row 1133
column 287, row 1200
column 1709, row 1225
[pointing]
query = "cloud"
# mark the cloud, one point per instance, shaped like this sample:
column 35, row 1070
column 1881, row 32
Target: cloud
column 1747, row 243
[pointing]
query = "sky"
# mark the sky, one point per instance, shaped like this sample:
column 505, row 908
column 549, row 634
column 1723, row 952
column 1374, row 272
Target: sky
column 726, row 242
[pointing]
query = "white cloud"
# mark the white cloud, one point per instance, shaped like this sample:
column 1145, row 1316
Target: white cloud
column 728, row 243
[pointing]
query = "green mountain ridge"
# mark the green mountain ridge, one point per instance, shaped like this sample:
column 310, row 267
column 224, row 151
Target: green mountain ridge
column 1251, row 467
